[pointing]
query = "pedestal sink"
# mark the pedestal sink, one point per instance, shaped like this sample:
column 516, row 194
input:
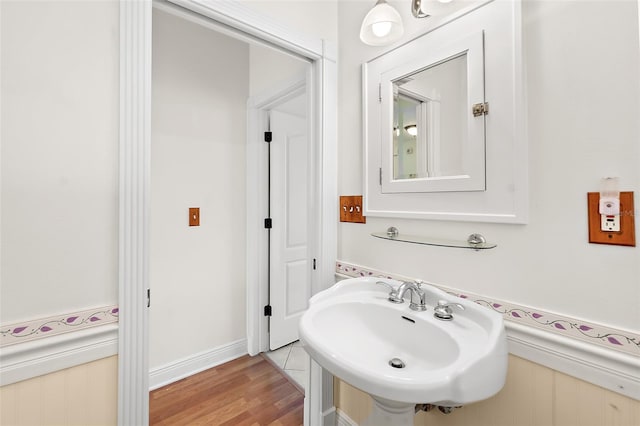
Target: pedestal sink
column 403, row 357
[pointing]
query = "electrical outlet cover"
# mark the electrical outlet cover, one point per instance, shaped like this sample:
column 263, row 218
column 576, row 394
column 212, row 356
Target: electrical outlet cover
column 626, row 235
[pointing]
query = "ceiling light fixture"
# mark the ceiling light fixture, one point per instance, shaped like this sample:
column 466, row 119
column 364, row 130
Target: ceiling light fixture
column 382, row 25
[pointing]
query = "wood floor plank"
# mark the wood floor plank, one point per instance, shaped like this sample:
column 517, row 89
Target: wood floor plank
column 248, row 391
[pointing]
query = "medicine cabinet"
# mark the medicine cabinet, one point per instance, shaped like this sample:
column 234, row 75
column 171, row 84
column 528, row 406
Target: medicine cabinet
column 443, row 121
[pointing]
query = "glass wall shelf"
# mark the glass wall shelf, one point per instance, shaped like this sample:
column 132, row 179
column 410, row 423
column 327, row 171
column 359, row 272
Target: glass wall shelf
column 474, row 241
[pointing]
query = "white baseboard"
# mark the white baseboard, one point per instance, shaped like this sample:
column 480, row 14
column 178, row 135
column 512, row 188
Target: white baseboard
column 196, row 363
column 341, row 419
column 34, row 358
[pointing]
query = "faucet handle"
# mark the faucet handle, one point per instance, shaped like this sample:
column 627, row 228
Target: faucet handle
column 418, row 282
column 444, row 312
column 393, row 293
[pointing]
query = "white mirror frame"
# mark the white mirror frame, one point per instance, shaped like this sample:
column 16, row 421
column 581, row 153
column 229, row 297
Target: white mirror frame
column 505, row 199
column 473, row 143
column 135, row 144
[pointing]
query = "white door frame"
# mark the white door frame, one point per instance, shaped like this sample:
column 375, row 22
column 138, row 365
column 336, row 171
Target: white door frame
column 135, row 143
column 256, row 201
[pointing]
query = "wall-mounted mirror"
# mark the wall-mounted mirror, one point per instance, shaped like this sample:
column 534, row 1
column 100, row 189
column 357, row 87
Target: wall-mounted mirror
column 429, row 109
column 426, row 154
column 430, row 140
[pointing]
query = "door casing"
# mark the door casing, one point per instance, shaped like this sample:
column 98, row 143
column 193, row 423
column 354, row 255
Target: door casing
column 232, row 18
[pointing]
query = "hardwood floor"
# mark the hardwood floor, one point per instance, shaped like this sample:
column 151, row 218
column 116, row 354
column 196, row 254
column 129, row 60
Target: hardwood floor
column 246, row 391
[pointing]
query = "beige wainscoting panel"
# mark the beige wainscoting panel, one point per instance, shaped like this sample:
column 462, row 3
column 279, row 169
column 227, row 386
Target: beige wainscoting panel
column 583, row 404
column 82, row 395
column 358, row 403
column 533, row 395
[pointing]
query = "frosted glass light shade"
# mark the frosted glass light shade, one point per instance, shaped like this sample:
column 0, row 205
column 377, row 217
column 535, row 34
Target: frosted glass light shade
column 382, row 25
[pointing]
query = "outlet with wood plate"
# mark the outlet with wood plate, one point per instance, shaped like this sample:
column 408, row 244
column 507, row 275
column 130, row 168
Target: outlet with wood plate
column 615, row 229
column 351, row 209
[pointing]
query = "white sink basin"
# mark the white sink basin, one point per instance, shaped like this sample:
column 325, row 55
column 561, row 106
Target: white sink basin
column 353, row 331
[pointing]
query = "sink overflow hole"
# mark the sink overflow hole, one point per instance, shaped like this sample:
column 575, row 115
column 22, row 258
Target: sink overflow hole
column 396, row 363
column 408, row 319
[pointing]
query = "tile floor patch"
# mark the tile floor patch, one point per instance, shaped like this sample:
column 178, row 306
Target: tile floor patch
column 293, row 360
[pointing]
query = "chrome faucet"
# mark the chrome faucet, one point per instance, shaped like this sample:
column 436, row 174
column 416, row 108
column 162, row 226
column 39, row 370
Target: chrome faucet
column 416, row 291
column 397, row 295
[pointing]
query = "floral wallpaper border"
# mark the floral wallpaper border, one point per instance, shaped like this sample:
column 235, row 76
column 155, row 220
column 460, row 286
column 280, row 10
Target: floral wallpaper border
column 609, row 338
column 39, row 328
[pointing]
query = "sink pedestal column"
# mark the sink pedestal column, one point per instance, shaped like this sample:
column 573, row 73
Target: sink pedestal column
column 387, row 412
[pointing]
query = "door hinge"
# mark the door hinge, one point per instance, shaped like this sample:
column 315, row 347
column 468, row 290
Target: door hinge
column 148, row 297
column 267, row 311
column 480, row 109
column 268, row 136
column 268, row 224
column 380, row 176
column 314, row 264
column 379, row 92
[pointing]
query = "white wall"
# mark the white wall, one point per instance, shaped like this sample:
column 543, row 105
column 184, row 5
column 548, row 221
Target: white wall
column 200, row 89
column 582, row 65
column 59, row 136
column 271, row 68
column 317, row 18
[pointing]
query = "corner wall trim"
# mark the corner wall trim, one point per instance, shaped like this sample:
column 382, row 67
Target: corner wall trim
column 196, row 363
column 34, row 358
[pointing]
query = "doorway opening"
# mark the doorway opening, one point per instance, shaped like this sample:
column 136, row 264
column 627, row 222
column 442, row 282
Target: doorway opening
column 199, row 147
column 135, row 143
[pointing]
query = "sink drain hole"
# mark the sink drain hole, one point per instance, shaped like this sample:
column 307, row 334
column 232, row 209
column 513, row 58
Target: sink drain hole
column 397, row 363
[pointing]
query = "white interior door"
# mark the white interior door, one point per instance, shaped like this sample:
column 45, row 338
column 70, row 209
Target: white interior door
column 290, row 265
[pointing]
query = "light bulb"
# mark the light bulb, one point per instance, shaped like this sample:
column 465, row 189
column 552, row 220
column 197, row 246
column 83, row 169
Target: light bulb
column 381, row 29
column 381, row 26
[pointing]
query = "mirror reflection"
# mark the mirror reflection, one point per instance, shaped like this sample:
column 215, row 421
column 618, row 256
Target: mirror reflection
column 429, row 121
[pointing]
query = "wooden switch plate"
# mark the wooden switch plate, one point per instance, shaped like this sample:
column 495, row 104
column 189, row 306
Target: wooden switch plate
column 351, row 209
column 627, row 234
column 194, row 216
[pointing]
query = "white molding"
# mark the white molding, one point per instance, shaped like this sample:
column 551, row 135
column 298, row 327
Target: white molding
column 341, row 419
column 329, row 416
column 616, row 371
column 256, row 235
column 34, row 358
column 243, row 18
column 196, row 363
column 314, row 398
column 327, row 164
column 135, row 142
